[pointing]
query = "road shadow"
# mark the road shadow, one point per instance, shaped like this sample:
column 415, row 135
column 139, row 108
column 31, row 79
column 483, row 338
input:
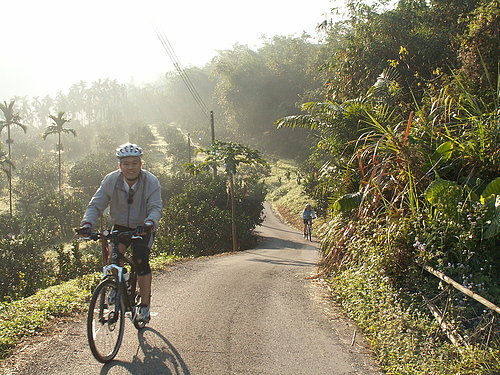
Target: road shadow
column 279, row 229
column 270, row 243
column 155, row 355
column 266, row 258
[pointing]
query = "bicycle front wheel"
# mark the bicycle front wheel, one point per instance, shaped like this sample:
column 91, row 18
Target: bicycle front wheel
column 105, row 321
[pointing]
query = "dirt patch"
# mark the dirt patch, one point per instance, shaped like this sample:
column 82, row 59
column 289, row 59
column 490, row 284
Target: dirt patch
column 288, row 216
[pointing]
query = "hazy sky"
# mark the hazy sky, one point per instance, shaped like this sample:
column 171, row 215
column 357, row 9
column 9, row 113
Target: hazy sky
column 47, row 45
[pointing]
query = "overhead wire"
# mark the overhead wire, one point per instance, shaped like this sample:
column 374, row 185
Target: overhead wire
column 182, row 73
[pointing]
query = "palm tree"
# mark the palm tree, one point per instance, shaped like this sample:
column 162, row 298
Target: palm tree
column 11, row 118
column 58, row 127
column 5, row 164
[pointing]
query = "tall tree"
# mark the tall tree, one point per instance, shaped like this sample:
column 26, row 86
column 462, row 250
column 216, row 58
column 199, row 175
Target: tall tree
column 57, row 127
column 11, row 118
column 4, row 163
column 256, row 87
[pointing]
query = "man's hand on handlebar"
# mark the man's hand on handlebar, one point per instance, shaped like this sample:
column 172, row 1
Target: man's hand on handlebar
column 145, row 229
column 84, row 231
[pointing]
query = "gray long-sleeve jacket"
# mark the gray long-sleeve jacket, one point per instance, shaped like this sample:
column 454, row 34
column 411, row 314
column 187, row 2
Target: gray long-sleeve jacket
column 146, row 201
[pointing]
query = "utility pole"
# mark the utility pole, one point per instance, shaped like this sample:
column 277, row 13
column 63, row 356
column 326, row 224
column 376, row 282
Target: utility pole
column 212, row 126
column 234, row 231
column 212, row 129
column 189, row 148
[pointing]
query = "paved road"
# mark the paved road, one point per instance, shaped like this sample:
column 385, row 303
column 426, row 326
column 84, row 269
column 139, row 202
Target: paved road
column 253, row 312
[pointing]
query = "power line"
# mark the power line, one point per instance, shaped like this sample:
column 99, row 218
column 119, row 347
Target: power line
column 182, row 73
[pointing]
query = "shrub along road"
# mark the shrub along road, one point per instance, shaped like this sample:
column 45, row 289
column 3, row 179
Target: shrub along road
column 251, row 312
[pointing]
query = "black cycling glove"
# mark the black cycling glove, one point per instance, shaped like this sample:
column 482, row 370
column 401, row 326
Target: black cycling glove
column 84, row 231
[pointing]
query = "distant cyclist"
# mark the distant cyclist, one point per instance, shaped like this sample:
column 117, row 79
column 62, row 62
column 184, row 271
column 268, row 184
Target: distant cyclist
column 134, row 199
column 307, row 215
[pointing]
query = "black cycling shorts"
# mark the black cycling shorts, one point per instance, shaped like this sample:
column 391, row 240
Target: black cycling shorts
column 307, row 221
column 140, row 249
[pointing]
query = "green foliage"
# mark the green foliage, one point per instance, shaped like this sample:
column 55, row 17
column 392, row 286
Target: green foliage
column 142, row 135
column 11, row 117
column 347, row 202
column 22, row 267
column 445, row 195
column 230, row 155
column 36, row 180
column 197, row 219
column 28, row 316
column 478, row 53
column 62, row 211
column 405, row 337
column 87, row 174
column 177, row 153
column 9, row 225
column 493, row 188
column 417, row 160
column 256, row 87
column 58, row 127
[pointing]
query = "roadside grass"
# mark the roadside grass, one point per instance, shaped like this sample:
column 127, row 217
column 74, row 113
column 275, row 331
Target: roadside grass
column 396, row 322
column 30, row 316
column 286, row 195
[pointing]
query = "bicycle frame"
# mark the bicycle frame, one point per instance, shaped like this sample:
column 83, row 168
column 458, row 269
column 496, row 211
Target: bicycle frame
column 115, row 270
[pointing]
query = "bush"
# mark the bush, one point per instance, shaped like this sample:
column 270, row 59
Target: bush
column 86, row 175
column 22, row 267
column 197, row 221
column 383, row 295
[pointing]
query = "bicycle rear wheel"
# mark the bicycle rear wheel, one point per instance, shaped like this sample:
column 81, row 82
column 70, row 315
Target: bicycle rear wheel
column 105, row 322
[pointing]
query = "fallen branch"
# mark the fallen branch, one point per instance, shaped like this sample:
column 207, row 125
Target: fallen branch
column 463, row 289
column 448, row 329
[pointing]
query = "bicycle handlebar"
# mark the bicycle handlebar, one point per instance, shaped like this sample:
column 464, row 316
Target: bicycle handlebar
column 94, row 236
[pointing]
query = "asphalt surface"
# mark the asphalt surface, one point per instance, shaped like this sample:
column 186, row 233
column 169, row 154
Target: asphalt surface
column 251, row 312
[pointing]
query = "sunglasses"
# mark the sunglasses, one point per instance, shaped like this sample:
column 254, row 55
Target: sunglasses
column 130, row 199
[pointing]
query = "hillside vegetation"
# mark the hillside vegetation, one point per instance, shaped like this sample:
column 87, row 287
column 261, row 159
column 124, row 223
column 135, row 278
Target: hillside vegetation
column 390, row 126
column 407, row 167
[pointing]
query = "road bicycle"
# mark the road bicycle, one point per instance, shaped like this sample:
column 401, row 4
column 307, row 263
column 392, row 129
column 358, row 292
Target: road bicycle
column 113, row 299
column 308, row 230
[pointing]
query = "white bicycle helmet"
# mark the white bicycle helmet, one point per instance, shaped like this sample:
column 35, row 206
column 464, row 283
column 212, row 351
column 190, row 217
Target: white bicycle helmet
column 128, row 149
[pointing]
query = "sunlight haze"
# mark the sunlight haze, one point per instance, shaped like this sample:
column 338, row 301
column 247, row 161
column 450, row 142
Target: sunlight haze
column 50, row 45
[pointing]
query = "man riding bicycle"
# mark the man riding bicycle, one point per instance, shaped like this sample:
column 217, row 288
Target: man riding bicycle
column 307, row 215
column 133, row 195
